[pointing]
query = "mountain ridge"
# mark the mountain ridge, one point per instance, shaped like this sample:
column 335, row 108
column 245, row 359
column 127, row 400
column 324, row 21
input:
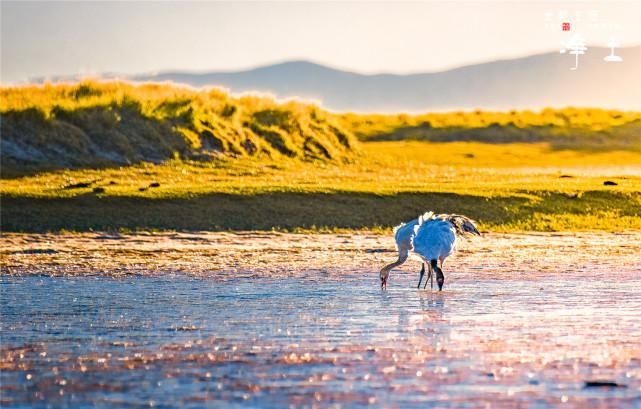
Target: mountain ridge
column 532, row 82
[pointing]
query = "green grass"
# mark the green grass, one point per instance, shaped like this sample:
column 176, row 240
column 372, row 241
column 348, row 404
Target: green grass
column 506, row 187
column 570, row 128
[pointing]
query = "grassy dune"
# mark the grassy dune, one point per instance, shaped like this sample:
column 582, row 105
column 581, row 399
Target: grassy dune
column 551, row 183
column 105, row 124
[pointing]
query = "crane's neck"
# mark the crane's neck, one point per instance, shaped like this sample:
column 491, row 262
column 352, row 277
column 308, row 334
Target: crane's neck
column 390, row 266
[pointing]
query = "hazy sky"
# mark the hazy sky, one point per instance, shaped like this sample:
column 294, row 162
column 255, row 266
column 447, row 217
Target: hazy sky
column 88, row 37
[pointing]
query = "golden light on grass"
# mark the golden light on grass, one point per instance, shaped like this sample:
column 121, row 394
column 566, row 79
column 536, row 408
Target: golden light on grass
column 511, row 171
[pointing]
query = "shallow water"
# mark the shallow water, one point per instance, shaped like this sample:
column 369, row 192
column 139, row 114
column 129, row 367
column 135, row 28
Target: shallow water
column 500, row 334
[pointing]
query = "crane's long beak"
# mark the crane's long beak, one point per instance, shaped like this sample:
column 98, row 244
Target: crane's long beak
column 384, row 283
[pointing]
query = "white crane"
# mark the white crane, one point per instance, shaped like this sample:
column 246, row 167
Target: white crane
column 434, row 240
column 403, row 234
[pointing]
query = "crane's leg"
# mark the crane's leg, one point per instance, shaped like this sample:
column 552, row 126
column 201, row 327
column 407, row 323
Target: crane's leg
column 440, row 278
column 430, row 277
column 420, row 278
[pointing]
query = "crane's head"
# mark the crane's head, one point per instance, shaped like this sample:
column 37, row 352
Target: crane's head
column 384, row 276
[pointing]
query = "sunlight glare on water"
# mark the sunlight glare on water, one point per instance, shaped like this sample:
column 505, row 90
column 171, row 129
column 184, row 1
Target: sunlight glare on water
column 514, row 339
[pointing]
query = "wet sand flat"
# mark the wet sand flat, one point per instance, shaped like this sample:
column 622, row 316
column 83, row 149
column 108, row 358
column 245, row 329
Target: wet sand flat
column 279, row 320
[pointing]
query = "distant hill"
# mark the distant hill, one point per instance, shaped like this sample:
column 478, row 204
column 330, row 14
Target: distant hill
column 534, row 82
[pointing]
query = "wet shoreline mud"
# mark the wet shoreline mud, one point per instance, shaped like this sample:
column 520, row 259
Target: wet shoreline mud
column 228, row 255
column 299, row 320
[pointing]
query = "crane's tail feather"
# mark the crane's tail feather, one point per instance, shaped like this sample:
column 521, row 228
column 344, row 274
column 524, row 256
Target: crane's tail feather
column 464, row 225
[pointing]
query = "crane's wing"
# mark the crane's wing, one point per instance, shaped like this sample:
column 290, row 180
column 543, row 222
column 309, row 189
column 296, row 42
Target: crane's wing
column 403, row 235
column 434, row 239
column 397, row 238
